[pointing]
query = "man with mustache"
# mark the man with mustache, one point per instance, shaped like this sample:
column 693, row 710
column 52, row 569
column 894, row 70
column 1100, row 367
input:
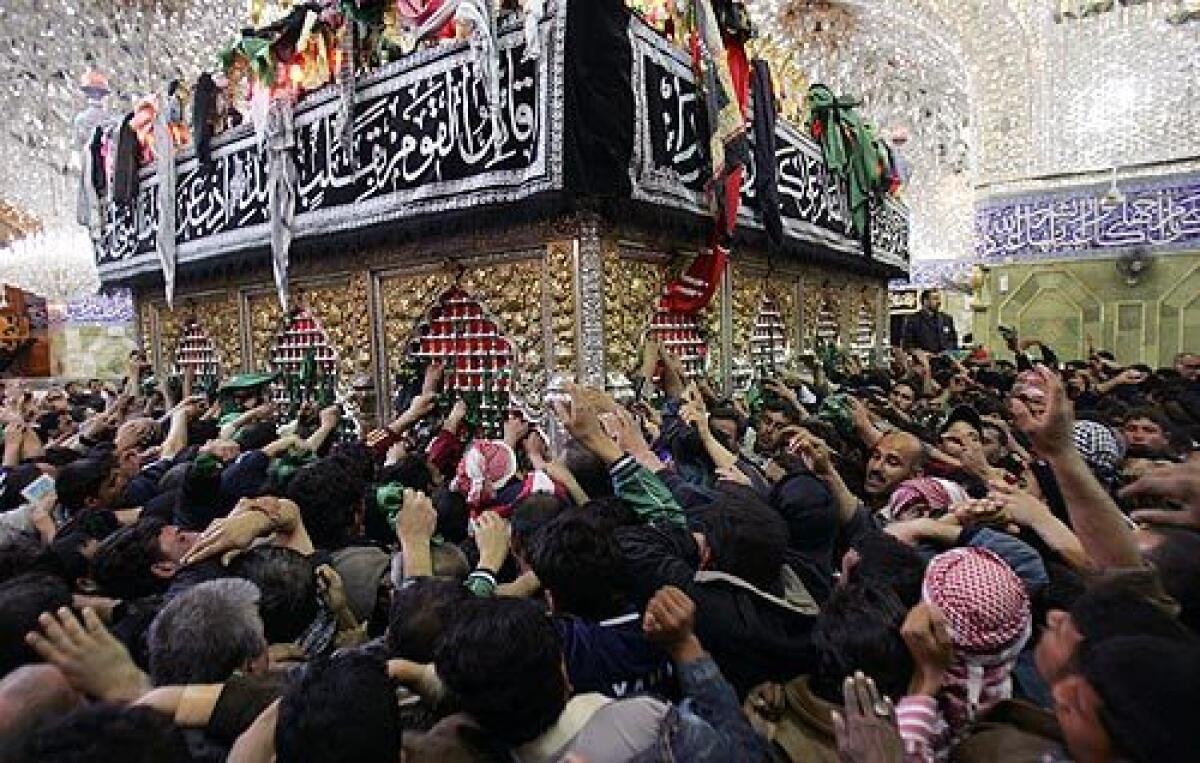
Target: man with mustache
column 895, row 457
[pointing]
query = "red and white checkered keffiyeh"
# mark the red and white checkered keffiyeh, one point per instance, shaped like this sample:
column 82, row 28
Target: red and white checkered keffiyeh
column 485, row 468
column 988, row 613
column 922, row 497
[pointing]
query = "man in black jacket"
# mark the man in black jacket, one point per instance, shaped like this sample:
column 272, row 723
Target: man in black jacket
column 730, row 557
column 756, row 613
column 930, row 329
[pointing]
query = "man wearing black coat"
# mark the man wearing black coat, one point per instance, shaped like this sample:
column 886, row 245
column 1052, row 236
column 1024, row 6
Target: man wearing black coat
column 930, row 329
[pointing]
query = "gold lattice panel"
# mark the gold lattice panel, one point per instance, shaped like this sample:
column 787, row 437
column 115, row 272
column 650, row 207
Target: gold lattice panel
column 511, row 291
column 341, row 308
column 631, row 288
column 560, row 266
column 749, row 290
column 218, row 315
column 710, row 323
column 824, row 308
column 197, row 351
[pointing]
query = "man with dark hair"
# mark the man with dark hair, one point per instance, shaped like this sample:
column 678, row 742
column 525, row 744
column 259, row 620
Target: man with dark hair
column 1175, row 554
column 340, row 709
column 589, row 471
column 107, row 733
column 777, row 415
column 141, row 559
column 18, row 553
column 579, row 567
column 811, row 514
column 857, row 630
column 287, row 584
column 421, row 610
column 503, row 662
column 929, row 329
column 529, row 515
column 90, row 484
column 330, row 501
column 756, row 612
column 332, row 510
column 996, row 444
column 581, row 571
column 1132, row 699
column 728, row 426
column 1149, row 434
column 22, row 600
column 879, row 559
column 903, row 397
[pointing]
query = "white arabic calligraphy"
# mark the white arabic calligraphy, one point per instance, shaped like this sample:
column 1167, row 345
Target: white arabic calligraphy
column 1149, row 217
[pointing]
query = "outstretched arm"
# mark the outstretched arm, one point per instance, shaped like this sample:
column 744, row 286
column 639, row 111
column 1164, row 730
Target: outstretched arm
column 1102, row 529
column 670, row 621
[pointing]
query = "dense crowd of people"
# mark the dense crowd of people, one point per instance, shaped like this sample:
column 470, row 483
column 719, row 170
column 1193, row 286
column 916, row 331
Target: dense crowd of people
column 952, row 558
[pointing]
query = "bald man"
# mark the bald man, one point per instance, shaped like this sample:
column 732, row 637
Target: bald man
column 28, row 695
column 896, row 457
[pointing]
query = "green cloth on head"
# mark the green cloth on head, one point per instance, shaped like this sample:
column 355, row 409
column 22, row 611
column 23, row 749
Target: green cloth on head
column 205, row 465
column 249, row 381
column 836, row 410
column 390, row 497
column 282, row 469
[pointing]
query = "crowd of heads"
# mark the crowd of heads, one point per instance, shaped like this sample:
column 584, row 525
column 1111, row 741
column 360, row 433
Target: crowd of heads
column 979, row 555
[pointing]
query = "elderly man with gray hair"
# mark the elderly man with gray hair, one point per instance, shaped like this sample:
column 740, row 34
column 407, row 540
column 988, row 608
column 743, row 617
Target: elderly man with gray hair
column 207, row 634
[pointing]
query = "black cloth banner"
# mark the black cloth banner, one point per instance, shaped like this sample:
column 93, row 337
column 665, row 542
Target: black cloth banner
column 766, row 178
column 424, row 143
column 608, row 115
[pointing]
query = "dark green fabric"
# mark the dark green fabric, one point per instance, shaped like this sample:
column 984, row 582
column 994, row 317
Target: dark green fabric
column 248, row 381
column 850, row 148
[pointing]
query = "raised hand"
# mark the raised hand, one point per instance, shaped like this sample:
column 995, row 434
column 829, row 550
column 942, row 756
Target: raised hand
column 1017, row 505
column 1175, row 482
column 423, row 404
column 1042, row 411
column 859, row 413
column 516, row 429
column 866, row 727
column 331, row 415
column 626, row 432
column 764, row 708
column 433, row 378
column 458, row 414
column 537, row 448
column 94, row 662
column 580, row 418
column 1130, row 376
column 264, row 412
column 417, row 519
column 815, row 452
column 732, row 474
column 670, row 620
column 974, row 460
column 493, row 535
column 231, row 533
column 785, row 392
column 331, row 589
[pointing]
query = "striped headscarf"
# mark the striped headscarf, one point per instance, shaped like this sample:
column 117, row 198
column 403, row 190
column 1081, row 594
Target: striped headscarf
column 989, row 618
